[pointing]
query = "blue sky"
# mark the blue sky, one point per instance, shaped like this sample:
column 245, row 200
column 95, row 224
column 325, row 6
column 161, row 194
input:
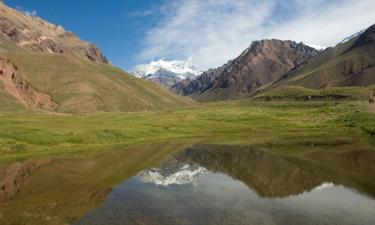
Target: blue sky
column 208, row 32
column 116, row 26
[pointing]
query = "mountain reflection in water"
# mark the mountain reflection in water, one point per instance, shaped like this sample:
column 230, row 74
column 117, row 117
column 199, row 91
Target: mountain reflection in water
column 172, row 175
column 207, row 184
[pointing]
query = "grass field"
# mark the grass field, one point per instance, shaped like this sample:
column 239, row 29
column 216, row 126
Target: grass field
column 301, row 93
column 315, row 122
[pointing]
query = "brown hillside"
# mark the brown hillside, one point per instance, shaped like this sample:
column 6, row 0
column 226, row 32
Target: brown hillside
column 263, row 62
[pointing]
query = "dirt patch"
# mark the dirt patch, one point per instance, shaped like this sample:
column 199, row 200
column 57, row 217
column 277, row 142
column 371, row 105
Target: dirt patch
column 371, row 108
column 20, row 89
column 16, row 174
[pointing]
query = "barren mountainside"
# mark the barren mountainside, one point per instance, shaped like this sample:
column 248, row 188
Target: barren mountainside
column 43, row 67
column 263, row 62
column 21, row 90
column 37, row 35
column 350, row 63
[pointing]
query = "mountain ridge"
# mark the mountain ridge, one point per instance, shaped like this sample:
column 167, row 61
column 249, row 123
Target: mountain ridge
column 350, row 63
column 37, row 35
column 166, row 73
column 263, row 62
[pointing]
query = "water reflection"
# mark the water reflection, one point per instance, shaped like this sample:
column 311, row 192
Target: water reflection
column 207, row 184
column 176, row 174
column 62, row 189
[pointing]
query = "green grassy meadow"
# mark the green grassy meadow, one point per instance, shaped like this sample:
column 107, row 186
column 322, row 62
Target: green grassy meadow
column 255, row 122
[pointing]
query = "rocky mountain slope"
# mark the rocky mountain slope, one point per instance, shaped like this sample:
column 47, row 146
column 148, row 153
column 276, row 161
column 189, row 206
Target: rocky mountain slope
column 262, row 63
column 37, row 35
column 44, row 67
column 166, row 73
column 350, row 63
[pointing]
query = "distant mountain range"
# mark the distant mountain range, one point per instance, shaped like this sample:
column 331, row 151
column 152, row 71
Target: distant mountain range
column 271, row 63
column 166, row 73
column 263, row 62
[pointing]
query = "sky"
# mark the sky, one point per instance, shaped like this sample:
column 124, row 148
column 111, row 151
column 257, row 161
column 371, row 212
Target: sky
column 207, row 32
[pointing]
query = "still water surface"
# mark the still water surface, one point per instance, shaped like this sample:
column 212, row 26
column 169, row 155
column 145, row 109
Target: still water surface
column 244, row 185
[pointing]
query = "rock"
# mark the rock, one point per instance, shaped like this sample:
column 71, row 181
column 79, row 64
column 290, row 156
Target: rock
column 36, row 35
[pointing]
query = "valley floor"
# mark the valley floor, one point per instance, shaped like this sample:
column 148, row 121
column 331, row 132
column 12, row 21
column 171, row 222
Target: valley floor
column 261, row 123
column 78, row 160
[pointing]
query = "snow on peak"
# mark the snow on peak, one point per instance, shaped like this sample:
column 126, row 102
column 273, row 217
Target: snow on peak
column 352, row 36
column 179, row 175
column 324, row 185
column 184, row 69
column 317, row 47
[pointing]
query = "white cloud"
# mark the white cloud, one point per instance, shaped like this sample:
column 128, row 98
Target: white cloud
column 330, row 23
column 212, row 32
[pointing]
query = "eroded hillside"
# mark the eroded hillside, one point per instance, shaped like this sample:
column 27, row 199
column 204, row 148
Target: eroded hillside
column 37, row 35
column 47, row 68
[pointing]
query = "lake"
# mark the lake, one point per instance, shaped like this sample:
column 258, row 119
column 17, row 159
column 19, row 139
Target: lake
column 204, row 184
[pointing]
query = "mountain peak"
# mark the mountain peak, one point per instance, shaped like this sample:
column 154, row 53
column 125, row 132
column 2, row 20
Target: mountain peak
column 350, row 63
column 365, row 37
column 262, row 62
column 34, row 34
column 352, row 36
column 265, row 45
column 183, row 68
column 166, row 73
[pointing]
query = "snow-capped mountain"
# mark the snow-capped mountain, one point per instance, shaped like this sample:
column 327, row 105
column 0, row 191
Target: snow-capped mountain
column 352, row 36
column 317, row 47
column 166, row 73
column 172, row 175
column 324, row 185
